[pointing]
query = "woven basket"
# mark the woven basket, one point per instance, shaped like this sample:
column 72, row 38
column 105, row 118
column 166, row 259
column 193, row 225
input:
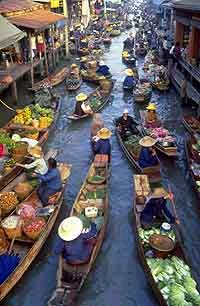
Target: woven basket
column 32, row 235
column 13, row 232
column 21, row 150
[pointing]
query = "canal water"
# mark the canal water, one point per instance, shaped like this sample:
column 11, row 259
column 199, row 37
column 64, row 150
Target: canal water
column 117, row 277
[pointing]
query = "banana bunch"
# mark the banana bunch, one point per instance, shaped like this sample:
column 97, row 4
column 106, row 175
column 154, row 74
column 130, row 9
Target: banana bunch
column 23, row 116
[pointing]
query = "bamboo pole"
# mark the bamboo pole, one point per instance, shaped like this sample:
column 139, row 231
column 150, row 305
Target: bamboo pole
column 31, row 57
column 65, row 11
column 45, row 56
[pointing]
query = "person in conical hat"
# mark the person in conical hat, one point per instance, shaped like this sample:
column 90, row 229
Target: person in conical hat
column 103, row 145
column 74, row 71
column 156, row 210
column 129, row 81
column 151, row 119
column 73, row 236
column 126, row 125
column 39, row 165
column 147, row 157
column 81, row 105
column 103, row 69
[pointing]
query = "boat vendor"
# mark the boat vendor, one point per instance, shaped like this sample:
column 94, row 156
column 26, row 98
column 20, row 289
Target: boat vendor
column 39, row 164
column 82, row 108
column 103, row 145
column 147, row 157
column 74, row 71
column 129, row 42
column 151, row 119
column 50, row 182
column 83, row 61
column 125, row 124
column 129, row 81
column 75, row 245
column 156, row 208
column 103, row 69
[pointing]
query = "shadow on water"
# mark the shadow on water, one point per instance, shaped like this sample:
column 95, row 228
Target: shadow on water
column 117, row 277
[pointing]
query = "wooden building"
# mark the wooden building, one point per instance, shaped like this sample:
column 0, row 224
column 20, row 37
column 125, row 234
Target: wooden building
column 44, row 37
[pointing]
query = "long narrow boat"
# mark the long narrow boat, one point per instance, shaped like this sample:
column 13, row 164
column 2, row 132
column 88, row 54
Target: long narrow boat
column 190, row 158
column 168, row 150
column 26, row 248
column 103, row 100
column 94, row 78
column 72, row 85
column 52, row 80
column 153, row 172
column 191, row 124
column 70, row 278
column 149, row 256
column 43, row 136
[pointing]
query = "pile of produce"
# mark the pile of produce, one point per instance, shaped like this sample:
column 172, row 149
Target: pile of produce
column 96, row 179
column 175, row 281
column 161, row 134
column 8, row 201
column 132, row 144
column 12, row 226
column 43, row 97
column 34, row 115
column 23, row 190
column 95, row 102
column 7, row 140
column 98, row 194
column 146, row 234
column 33, row 228
column 26, row 212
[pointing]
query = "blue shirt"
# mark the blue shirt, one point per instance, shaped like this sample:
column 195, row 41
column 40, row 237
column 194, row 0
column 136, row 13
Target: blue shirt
column 104, row 70
column 103, row 146
column 78, row 249
column 51, row 179
column 129, row 82
column 156, row 208
column 146, row 159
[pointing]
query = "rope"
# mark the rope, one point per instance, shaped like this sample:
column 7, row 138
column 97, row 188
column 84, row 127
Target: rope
column 4, row 104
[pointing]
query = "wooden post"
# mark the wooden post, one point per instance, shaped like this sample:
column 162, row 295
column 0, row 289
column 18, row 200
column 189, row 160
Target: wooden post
column 31, row 57
column 14, row 92
column 53, row 45
column 45, row 56
column 65, row 11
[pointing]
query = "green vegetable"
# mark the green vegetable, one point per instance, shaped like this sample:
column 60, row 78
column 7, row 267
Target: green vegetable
column 98, row 194
column 6, row 139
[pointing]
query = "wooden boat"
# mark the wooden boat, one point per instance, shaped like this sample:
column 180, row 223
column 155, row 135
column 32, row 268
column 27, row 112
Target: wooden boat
column 191, row 124
column 161, row 86
column 191, row 159
column 153, row 172
column 52, row 80
column 115, row 33
column 83, row 51
column 94, row 78
column 129, row 59
column 104, row 100
column 169, row 150
column 43, row 136
column 26, row 248
column 178, row 251
column 71, row 278
column 73, row 86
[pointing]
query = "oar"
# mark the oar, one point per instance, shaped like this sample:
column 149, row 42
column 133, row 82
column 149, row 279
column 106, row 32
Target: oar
column 178, row 229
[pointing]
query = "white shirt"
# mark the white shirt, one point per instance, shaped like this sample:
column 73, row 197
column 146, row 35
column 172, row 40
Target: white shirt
column 39, row 164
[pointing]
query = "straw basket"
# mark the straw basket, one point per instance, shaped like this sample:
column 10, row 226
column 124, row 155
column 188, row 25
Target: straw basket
column 13, row 232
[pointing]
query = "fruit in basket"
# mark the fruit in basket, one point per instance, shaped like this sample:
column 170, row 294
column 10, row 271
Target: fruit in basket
column 8, row 201
column 33, row 228
column 26, row 211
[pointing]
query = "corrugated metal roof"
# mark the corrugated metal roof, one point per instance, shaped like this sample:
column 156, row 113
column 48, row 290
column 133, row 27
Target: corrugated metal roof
column 9, row 34
column 193, row 5
column 9, row 6
column 39, row 19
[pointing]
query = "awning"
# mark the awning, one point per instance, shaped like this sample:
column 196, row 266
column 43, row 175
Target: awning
column 9, row 34
column 193, row 5
column 36, row 20
column 10, row 6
